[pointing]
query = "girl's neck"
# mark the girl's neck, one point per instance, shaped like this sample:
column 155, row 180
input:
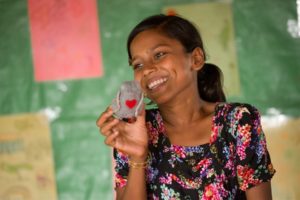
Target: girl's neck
column 183, row 111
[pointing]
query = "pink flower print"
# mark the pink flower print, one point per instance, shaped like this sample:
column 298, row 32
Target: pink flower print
column 230, row 163
column 184, row 182
column 160, row 124
column 241, row 151
column 122, row 156
column 179, row 151
column 203, row 165
column 153, row 197
column 166, row 180
column 211, row 193
column 215, row 132
column 259, row 130
column 239, row 114
column 153, row 133
column 244, row 133
column 169, row 193
column 244, row 136
column 210, row 173
column 120, row 181
column 245, row 177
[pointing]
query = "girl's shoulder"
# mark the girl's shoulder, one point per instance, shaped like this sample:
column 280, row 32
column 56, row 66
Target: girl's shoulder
column 233, row 120
column 235, row 109
column 231, row 116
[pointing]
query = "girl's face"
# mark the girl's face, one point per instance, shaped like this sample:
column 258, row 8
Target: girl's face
column 162, row 66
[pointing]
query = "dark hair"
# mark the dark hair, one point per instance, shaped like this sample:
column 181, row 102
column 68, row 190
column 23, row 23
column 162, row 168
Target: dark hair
column 210, row 76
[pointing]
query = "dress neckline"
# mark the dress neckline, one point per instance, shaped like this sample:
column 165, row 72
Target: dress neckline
column 168, row 142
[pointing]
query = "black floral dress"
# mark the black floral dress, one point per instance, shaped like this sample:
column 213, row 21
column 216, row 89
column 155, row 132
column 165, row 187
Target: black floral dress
column 235, row 159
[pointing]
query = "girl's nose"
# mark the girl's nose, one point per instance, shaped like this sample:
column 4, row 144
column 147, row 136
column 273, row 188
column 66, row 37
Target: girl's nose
column 149, row 68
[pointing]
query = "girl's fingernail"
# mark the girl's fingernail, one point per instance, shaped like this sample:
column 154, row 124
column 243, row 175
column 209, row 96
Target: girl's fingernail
column 110, row 112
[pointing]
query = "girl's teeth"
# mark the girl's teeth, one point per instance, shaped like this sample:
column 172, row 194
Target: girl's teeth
column 156, row 83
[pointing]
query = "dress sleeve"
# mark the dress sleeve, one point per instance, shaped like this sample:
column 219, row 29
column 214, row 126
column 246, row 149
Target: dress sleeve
column 121, row 168
column 252, row 157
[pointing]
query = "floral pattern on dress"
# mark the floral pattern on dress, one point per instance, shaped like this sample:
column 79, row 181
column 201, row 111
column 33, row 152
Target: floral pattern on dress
column 235, row 159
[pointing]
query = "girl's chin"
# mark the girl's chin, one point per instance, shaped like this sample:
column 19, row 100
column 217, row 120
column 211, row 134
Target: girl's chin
column 159, row 101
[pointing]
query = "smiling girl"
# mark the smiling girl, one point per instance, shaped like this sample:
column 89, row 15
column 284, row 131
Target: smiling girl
column 194, row 145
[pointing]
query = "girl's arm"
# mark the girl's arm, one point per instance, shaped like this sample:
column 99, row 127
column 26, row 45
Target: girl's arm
column 260, row 192
column 254, row 167
column 132, row 140
column 135, row 187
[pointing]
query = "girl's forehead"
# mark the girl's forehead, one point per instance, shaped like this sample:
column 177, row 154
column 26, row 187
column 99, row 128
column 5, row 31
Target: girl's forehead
column 148, row 41
column 151, row 33
column 151, row 37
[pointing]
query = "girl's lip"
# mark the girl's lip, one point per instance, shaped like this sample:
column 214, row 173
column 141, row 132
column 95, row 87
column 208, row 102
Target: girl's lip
column 154, row 83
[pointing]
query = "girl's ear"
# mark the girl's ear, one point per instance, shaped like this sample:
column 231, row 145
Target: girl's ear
column 197, row 59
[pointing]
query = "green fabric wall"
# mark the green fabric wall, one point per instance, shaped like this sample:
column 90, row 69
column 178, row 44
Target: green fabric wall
column 268, row 59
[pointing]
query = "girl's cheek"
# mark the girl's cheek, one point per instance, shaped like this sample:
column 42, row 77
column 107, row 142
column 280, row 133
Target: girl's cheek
column 138, row 76
column 138, row 79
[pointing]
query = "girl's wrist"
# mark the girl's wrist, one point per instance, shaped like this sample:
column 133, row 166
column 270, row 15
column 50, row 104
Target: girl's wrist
column 139, row 158
column 139, row 162
column 138, row 165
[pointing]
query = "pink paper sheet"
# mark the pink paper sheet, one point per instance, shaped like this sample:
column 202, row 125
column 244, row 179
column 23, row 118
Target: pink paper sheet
column 65, row 39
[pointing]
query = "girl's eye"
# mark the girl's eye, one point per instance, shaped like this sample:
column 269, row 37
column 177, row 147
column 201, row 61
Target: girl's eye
column 137, row 66
column 159, row 55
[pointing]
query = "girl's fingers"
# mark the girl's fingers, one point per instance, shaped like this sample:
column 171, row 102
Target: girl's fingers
column 104, row 117
column 111, row 139
column 107, row 128
column 142, row 114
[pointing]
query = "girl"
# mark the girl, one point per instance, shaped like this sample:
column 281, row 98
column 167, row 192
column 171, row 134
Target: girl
column 194, row 145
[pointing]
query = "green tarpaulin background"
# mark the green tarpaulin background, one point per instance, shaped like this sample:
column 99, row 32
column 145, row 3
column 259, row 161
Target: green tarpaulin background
column 268, row 60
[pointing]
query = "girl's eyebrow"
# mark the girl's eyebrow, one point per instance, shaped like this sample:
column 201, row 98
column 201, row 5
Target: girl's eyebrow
column 151, row 49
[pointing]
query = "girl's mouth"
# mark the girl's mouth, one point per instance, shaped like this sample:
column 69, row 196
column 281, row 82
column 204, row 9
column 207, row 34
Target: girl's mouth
column 156, row 83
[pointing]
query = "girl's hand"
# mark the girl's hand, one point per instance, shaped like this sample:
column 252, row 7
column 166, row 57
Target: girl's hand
column 130, row 138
